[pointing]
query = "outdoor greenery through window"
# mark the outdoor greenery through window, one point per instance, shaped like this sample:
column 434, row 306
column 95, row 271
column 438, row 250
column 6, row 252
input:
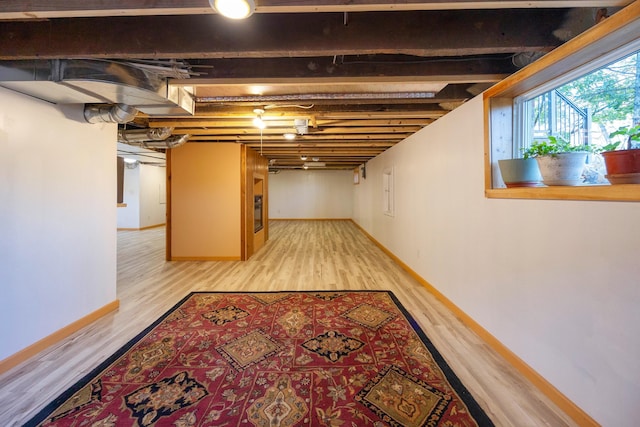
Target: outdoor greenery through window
column 594, row 112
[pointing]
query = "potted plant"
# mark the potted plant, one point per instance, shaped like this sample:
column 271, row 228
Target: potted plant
column 623, row 166
column 560, row 162
column 520, row 172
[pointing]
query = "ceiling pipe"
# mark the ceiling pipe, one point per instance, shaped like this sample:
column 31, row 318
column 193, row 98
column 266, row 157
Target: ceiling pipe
column 172, row 142
column 153, row 138
column 133, row 136
column 105, row 113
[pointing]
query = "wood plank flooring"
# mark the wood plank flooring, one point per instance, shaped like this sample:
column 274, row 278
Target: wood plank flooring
column 300, row 255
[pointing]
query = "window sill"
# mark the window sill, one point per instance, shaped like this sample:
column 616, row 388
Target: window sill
column 620, row 192
column 618, row 32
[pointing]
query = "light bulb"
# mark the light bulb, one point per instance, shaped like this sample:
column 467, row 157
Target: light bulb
column 259, row 123
column 234, row 9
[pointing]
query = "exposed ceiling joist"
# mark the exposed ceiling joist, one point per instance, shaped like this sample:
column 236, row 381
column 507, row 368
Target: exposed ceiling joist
column 306, row 138
column 19, row 9
column 284, row 123
column 335, row 111
column 287, row 59
column 456, row 69
column 417, row 33
column 370, row 131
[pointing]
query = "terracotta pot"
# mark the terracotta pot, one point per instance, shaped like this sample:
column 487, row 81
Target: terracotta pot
column 623, row 166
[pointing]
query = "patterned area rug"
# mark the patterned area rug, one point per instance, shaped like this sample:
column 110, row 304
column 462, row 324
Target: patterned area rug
column 273, row 359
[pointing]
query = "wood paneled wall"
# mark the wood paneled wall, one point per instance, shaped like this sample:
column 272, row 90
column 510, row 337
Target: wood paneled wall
column 254, row 167
column 211, row 190
column 204, row 202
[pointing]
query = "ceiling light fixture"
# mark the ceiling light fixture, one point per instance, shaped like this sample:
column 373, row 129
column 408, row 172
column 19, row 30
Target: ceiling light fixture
column 289, row 136
column 130, row 163
column 303, row 158
column 234, row 9
column 258, row 122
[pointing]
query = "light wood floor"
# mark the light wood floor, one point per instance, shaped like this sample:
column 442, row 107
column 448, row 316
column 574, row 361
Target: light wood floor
column 300, row 255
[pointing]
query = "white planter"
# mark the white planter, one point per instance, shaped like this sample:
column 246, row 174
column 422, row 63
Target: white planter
column 520, row 172
column 562, row 168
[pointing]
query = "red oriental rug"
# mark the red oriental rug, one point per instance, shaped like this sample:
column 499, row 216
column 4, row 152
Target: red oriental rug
column 273, row 359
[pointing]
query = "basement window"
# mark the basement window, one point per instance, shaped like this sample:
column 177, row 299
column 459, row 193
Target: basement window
column 556, row 96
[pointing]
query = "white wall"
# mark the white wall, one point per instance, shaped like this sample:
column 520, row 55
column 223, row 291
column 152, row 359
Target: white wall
column 311, row 194
column 153, row 192
column 57, row 220
column 557, row 282
column 144, row 193
column 129, row 215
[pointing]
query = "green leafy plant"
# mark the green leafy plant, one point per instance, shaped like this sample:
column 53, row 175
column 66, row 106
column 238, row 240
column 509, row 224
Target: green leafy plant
column 553, row 146
column 630, row 138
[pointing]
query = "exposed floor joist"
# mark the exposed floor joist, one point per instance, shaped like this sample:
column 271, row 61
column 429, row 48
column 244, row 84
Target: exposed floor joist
column 418, row 33
column 364, row 74
column 18, row 9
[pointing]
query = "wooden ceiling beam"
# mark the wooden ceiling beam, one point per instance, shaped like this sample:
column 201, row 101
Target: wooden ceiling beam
column 329, row 165
column 418, row 33
column 321, row 158
column 455, row 69
column 468, row 48
column 308, row 137
column 350, row 164
column 297, row 160
column 343, row 98
column 341, row 166
column 199, row 122
column 347, row 145
column 323, row 155
column 374, row 145
column 291, row 154
column 328, row 131
column 416, row 114
column 328, row 145
column 19, row 9
column 335, row 112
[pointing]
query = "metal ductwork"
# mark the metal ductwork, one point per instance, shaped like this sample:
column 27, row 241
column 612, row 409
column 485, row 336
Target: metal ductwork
column 152, row 138
column 175, row 141
column 95, row 81
column 133, row 136
column 102, row 113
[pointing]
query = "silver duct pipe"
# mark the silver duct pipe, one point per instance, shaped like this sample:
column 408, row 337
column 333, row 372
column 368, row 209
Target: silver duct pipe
column 133, row 136
column 153, row 138
column 105, row 113
column 172, row 142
